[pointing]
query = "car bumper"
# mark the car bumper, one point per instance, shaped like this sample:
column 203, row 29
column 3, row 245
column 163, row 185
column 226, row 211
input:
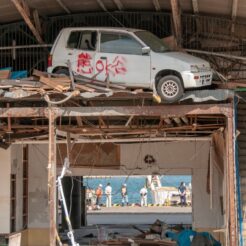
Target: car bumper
column 193, row 80
column 49, row 69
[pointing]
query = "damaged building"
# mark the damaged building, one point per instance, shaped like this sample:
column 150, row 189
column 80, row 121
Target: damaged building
column 109, row 129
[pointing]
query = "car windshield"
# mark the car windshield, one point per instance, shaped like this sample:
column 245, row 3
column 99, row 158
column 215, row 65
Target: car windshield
column 155, row 44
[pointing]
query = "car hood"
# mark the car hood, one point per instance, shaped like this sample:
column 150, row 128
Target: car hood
column 186, row 58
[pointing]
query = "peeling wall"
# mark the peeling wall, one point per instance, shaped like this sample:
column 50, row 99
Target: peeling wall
column 5, row 191
column 37, row 185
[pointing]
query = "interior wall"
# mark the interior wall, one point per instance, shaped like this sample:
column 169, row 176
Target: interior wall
column 38, row 208
column 188, row 157
column 5, row 191
column 207, row 212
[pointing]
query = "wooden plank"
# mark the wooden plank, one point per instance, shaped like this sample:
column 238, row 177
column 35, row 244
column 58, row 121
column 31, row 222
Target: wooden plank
column 234, row 14
column 102, row 5
column 38, row 73
column 84, row 80
column 119, row 4
column 176, row 14
column 5, row 74
column 195, row 6
column 99, row 88
column 28, row 21
column 37, row 21
column 157, row 5
column 52, row 84
column 60, row 2
column 84, row 88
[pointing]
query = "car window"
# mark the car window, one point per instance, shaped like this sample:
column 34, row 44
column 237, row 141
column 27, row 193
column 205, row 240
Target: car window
column 152, row 41
column 88, row 40
column 73, row 40
column 84, row 40
column 120, row 44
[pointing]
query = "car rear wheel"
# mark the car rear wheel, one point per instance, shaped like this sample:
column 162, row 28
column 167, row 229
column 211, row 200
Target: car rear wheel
column 170, row 88
column 63, row 71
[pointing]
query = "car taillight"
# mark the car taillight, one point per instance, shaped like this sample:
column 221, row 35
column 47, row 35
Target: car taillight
column 50, row 61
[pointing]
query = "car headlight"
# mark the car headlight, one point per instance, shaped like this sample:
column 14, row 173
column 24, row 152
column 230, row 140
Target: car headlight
column 194, row 68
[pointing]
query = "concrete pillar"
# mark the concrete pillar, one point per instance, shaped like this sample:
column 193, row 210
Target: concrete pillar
column 72, row 192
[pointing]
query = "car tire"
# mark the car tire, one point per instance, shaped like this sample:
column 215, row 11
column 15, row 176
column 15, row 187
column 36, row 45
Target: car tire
column 62, row 71
column 170, row 88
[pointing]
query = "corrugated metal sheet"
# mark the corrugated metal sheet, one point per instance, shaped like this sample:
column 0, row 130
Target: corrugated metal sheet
column 52, row 7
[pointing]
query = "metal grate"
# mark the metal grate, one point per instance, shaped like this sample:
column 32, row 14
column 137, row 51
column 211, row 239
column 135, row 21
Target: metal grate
column 199, row 32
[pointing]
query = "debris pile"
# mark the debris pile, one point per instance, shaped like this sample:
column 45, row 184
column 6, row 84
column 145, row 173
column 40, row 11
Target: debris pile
column 43, row 81
column 159, row 233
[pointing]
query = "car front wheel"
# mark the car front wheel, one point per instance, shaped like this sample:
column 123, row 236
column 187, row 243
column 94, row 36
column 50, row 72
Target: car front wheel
column 170, row 88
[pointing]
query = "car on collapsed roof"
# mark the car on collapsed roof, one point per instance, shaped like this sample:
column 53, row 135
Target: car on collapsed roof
column 131, row 57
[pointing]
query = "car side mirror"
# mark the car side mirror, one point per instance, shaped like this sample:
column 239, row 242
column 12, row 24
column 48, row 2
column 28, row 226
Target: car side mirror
column 145, row 50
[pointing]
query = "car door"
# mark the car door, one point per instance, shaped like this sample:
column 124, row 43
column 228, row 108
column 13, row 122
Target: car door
column 81, row 50
column 120, row 59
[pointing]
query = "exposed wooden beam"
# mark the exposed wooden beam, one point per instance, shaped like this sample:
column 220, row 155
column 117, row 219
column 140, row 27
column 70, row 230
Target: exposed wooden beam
column 25, row 15
column 157, row 5
column 37, row 21
column 234, row 14
column 26, row 7
column 176, row 14
column 196, row 12
column 101, row 4
column 195, row 6
column 234, row 9
column 60, row 2
column 119, row 4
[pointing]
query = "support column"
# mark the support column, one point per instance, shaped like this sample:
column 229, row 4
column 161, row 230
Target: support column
column 52, row 176
column 231, row 182
column 83, row 204
column 72, row 193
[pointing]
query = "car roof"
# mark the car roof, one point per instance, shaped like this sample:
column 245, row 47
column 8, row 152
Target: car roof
column 123, row 29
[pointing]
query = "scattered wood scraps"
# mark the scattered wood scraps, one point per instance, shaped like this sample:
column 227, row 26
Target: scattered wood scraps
column 42, row 82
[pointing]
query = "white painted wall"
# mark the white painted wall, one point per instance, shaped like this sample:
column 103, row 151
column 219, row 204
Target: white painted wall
column 207, row 208
column 38, row 210
column 5, row 165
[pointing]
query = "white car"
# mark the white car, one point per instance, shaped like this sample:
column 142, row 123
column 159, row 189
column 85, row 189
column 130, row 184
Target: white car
column 131, row 57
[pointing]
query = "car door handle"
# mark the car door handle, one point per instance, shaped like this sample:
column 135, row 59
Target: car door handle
column 70, row 54
column 103, row 57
